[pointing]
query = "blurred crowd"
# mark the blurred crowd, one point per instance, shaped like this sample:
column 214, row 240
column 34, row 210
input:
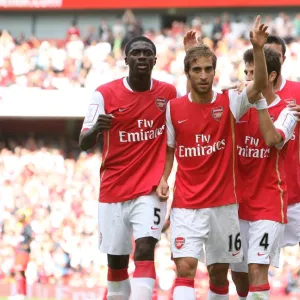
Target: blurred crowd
column 96, row 56
column 59, row 198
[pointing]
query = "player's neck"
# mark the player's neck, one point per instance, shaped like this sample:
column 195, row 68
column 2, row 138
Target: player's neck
column 269, row 95
column 139, row 84
column 202, row 98
column 278, row 83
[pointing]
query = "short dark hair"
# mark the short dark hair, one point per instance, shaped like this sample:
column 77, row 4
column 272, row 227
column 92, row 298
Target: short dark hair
column 275, row 39
column 196, row 52
column 272, row 60
column 139, row 38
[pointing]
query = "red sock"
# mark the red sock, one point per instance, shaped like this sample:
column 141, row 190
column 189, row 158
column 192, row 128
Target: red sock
column 117, row 275
column 259, row 288
column 144, row 269
column 219, row 290
column 180, row 281
column 242, row 294
column 21, row 286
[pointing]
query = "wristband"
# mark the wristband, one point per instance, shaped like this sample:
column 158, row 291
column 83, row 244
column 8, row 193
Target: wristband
column 261, row 104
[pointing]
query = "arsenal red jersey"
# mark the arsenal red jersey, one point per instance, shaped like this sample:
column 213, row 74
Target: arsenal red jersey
column 204, row 138
column 134, row 148
column 264, row 188
column 290, row 92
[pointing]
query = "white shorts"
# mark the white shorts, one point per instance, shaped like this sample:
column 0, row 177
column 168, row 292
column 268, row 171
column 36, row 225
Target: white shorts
column 292, row 228
column 216, row 228
column 261, row 242
column 142, row 217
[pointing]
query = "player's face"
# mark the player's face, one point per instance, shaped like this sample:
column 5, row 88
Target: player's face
column 249, row 71
column 141, row 58
column 277, row 48
column 201, row 75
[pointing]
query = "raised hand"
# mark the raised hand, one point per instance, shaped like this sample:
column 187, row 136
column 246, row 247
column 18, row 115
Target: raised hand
column 190, row 40
column 259, row 34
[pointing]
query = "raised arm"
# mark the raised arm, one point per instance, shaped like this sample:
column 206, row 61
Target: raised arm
column 190, row 40
column 258, row 37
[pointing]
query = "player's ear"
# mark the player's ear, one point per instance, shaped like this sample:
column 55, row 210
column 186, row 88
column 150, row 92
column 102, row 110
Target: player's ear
column 272, row 76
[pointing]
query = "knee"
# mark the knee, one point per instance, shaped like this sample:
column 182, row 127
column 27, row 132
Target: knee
column 240, row 280
column 258, row 274
column 186, row 267
column 117, row 262
column 144, row 249
column 218, row 274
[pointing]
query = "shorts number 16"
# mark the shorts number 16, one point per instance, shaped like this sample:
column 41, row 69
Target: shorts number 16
column 237, row 243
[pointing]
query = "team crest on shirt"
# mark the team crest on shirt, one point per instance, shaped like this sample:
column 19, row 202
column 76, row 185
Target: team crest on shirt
column 161, row 103
column 217, row 112
column 179, row 242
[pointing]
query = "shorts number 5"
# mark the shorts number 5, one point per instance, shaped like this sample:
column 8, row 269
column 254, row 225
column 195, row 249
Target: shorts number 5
column 157, row 216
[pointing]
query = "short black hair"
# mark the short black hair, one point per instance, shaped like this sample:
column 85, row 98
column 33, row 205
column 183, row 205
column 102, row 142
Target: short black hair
column 272, row 60
column 275, row 39
column 139, row 38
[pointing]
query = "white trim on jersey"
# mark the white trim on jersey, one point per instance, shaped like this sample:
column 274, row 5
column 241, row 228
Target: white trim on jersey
column 125, row 82
column 286, row 122
column 282, row 84
column 275, row 102
column 96, row 107
column 212, row 101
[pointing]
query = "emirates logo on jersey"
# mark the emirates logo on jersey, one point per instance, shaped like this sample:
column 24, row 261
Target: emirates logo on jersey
column 161, row 103
column 217, row 113
column 179, row 242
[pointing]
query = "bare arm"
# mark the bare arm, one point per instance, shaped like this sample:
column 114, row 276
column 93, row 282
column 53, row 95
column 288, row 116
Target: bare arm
column 270, row 134
column 88, row 139
column 258, row 38
column 277, row 133
column 190, row 40
column 163, row 187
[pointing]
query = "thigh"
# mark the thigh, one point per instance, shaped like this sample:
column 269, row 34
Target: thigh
column 147, row 216
column 243, row 265
column 21, row 260
column 189, row 230
column 292, row 228
column 114, row 229
column 265, row 238
column 224, row 240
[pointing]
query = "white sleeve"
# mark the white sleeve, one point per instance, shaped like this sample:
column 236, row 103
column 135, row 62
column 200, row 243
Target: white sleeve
column 285, row 123
column 239, row 103
column 170, row 129
column 96, row 108
column 178, row 94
